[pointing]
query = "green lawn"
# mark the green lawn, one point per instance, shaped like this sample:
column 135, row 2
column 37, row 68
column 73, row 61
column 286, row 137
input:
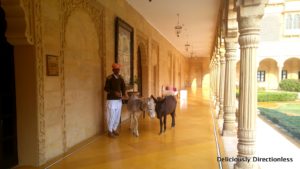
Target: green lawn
column 291, row 109
column 290, row 123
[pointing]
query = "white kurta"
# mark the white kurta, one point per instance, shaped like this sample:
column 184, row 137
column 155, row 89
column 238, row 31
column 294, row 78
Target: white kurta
column 113, row 113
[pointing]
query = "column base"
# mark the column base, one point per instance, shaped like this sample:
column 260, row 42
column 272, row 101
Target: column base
column 229, row 133
column 246, row 165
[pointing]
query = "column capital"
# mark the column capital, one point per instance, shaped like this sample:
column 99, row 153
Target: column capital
column 231, row 43
column 231, row 46
column 250, row 13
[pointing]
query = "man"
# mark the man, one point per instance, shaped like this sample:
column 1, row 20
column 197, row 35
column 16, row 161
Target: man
column 115, row 88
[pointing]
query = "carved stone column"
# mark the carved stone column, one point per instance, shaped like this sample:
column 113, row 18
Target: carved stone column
column 229, row 125
column 217, row 83
column 250, row 13
column 211, row 73
column 222, row 81
column 214, row 81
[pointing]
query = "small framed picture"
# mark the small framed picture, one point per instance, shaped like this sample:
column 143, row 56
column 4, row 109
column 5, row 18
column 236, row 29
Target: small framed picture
column 52, row 65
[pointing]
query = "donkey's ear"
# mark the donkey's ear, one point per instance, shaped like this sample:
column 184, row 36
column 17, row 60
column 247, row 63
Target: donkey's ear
column 155, row 100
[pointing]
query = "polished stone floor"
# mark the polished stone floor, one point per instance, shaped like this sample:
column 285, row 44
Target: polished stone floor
column 190, row 145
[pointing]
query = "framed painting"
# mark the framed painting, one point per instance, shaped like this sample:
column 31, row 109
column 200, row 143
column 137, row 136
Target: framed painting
column 52, row 65
column 124, row 49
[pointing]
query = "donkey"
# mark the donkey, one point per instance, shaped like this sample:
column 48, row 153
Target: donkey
column 163, row 107
column 135, row 105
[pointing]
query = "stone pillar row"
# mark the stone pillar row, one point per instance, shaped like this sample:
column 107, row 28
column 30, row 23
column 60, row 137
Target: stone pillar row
column 250, row 13
column 222, row 81
column 229, row 125
column 217, row 82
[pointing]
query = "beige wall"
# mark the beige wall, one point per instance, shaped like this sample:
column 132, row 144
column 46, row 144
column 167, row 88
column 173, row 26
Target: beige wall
column 184, row 73
column 154, row 69
column 56, row 113
column 53, row 92
column 73, row 100
column 82, row 67
column 143, row 32
column 198, row 69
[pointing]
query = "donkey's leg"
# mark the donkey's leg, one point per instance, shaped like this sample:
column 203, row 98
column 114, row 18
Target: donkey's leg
column 131, row 121
column 161, row 124
column 165, row 121
column 136, row 125
column 173, row 119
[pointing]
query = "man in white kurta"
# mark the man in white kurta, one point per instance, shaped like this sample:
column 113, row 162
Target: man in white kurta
column 115, row 88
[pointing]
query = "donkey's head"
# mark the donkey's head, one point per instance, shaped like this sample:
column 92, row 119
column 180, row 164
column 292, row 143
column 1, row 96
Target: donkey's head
column 150, row 107
column 158, row 105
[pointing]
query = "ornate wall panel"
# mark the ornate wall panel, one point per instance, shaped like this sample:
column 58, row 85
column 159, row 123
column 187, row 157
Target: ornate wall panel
column 96, row 13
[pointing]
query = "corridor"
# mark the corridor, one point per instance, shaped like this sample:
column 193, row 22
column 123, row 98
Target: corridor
column 190, row 144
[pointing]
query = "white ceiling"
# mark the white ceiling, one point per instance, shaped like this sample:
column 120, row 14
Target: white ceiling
column 199, row 18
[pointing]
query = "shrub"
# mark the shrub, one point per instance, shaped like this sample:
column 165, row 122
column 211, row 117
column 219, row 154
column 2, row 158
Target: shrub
column 290, row 85
column 289, row 123
column 276, row 96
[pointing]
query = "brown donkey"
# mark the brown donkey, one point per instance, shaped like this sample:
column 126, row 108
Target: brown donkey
column 163, row 107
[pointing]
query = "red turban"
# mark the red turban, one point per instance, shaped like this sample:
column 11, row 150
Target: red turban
column 116, row 66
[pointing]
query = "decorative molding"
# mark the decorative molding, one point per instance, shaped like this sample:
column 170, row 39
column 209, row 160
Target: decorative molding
column 25, row 28
column 249, row 39
column 38, row 41
column 96, row 12
column 20, row 21
column 232, row 24
column 141, row 38
column 29, row 12
column 250, row 13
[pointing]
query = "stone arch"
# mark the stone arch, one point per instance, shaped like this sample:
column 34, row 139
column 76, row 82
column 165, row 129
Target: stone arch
column 82, row 78
column 260, row 59
column 92, row 14
column 269, row 66
column 292, row 66
column 142, row 45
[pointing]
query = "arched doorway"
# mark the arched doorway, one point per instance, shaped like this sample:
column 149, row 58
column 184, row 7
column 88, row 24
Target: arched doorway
column 82, row 67
column 267, row 74
column 291, row 69
column 8, row 126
